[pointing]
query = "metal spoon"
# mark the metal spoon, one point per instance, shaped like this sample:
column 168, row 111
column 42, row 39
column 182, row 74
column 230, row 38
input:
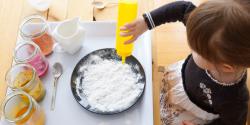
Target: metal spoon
column 57, row 72
column 101, row 5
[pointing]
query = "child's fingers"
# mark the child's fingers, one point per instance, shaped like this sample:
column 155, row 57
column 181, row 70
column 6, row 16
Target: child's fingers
column 125, row 34
column 130, row 40
column 123, row 28
column 128, row 33
column 130, row 25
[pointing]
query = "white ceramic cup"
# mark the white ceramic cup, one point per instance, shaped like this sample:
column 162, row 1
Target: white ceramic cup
column 69, row 35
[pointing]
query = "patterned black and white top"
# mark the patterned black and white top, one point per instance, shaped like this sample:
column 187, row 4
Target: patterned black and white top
column 230, row 102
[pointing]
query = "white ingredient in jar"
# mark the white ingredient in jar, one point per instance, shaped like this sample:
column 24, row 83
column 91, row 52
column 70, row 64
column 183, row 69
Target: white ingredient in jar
column 110, row 85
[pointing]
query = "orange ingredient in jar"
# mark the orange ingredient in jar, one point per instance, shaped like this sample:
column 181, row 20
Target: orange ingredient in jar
column 19, row 108
column 45, row 42
column 33, row 118
column 36, row 89
column 21, row 112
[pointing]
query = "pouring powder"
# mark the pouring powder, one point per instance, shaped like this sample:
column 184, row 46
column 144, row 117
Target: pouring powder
column 110, row 85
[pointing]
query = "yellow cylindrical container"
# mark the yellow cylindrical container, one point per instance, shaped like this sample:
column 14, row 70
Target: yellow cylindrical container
column 127, row 12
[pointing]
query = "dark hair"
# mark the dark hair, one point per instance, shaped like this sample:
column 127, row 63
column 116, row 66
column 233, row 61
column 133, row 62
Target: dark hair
column 219, row 31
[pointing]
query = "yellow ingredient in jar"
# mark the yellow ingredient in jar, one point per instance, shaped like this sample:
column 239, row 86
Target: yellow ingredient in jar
column 34, row 87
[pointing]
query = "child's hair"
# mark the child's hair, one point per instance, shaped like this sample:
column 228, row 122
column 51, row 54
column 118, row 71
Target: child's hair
column 219, row 31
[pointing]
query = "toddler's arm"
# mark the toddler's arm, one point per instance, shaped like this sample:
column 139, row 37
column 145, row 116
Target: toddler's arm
column 176, row 11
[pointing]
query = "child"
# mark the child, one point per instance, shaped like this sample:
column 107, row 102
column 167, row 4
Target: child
column 209, row 87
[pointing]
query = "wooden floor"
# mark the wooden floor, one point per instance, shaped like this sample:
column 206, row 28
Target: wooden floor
column 169, row 41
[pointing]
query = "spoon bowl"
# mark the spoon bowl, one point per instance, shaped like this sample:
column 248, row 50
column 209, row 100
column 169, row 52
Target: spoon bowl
column 101, row 5
column 57, row 70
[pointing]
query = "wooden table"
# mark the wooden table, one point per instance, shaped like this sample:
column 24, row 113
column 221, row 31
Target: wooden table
column 169, row 41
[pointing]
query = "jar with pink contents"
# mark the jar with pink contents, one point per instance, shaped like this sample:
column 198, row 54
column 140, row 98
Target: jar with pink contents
column 29, row 52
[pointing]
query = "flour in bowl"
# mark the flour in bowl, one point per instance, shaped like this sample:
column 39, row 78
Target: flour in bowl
column 110, row 85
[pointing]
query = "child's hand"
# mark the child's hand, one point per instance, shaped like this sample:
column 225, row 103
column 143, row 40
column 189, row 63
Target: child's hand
column 134, row 29
column 187, row 123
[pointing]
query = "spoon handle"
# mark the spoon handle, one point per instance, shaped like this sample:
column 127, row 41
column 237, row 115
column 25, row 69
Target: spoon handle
column 52, row 106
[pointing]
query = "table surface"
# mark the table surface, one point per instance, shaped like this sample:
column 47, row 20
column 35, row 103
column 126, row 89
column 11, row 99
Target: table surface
column 171, row 36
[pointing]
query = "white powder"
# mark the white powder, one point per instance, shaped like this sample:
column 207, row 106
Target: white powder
column 110, row 85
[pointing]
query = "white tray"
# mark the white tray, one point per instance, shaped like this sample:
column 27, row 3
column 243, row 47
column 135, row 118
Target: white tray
column 68, row 111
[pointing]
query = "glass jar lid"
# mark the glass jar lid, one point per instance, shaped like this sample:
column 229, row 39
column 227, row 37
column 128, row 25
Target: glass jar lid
column 25, row 51
column 14, row 72
column 33, row 26
column 13, row 101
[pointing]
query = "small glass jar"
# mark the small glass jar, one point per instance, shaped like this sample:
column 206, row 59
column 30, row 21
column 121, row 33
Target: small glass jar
column 24, row 77
column 28, row 52
column 36, row 29
column 21, row 109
